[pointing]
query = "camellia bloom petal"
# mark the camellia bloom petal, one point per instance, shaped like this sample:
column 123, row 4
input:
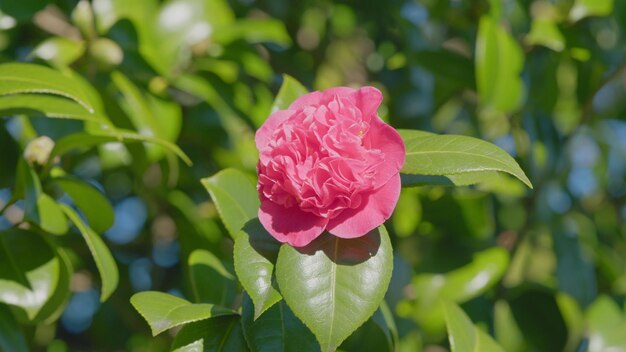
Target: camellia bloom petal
column 328, row 163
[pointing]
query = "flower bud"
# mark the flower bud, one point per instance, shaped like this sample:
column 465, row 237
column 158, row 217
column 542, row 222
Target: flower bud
column 106, row 53
column 82, row 17
column 38, row 150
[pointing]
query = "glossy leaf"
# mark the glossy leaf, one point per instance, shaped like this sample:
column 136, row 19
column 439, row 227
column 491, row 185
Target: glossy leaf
column 20, row 78
column 377, row 334
column 86, row 140
column 407, row 214
column 289, row 91
column 91, row 202
column 51, row 218
column 11, row 336
column 506, row 331
column 384, row 319
column 163, row 311
column 149, row 115
column 29, row 271
column 39, row 207
column 100, row 253
column 219, row 334
column 464, row 335
column 546, row 33
column 445, row 155
column 54, row 307
column 207, row 232
column 59, row 51
column 453, row 180
column 606, row 323
column 47, row 105
column 255, row 31
column 211, row 282
column 586, row 8
column 334, row 285
column 538, row 315
column 277, row 329
column 499, row 62
column 235, row 197
column 255, row 254
column 448, row 65
column 239, row 132
column 574, row 320
column 465, row 283
column 166, row 44
column 574, row 269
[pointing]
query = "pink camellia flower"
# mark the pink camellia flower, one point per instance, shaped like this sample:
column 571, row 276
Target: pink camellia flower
column 328, row 162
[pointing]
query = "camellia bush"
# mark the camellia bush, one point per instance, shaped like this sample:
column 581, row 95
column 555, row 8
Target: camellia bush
column 204, row 175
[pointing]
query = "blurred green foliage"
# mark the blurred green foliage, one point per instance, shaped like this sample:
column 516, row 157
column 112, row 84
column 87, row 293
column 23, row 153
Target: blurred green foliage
column 538, row 270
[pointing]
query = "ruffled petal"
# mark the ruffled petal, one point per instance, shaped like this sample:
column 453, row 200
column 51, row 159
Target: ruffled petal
column 385, row 138
column 368, row 100
column 352, row 223
column 263, row 134
column 290, row 225
column 308, row 100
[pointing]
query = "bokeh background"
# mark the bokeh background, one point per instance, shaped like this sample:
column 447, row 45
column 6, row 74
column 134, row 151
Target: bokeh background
column 541, row 269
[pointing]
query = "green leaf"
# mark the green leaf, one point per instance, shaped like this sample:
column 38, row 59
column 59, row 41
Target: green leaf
column 235, row 197
column 54, row 307
column 456, row 180
column 574, row 320
column 459, row 285
column 255, row 254
column 166, row 44
column 219, row 334
column 20, row 78
column 90, row 139
column 575, row 272
column 255, row 31
column 107, row 16
column 499, row 63
column 11, row 336
column 163, row 311
column 100, row 253
column 449, row 155
column 39, row 207
column 211, row 282
column 506, row 331
column 59, row 51
column 92, row 203
column 201, row 231
column 51, row 218
column 29, row 271
column 539, row 317
column 47, row 105
column 547, row 33
column 377, row 334
column 334, row 285
column 465, row 283
column 463, row 335
column 385, row 321
column 149, row 115
column 239, row 132
column 448, row 65
column 586, row 8
column 277, row 329
column 408, row 213
column 607, row 324
column 289, row 91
